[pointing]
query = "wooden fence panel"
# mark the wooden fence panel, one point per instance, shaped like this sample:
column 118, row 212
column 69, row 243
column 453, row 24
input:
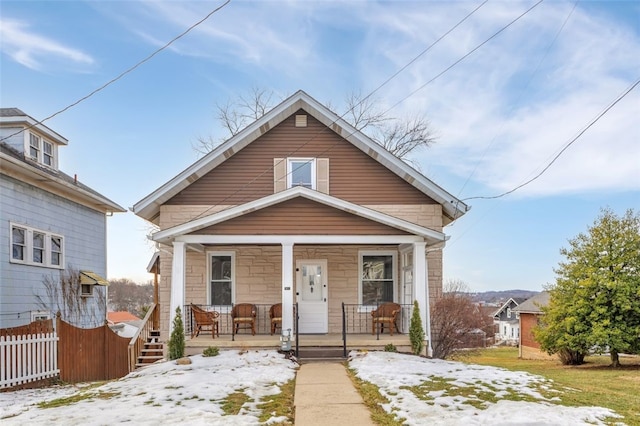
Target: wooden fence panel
column 91, row 354
column 36, row 327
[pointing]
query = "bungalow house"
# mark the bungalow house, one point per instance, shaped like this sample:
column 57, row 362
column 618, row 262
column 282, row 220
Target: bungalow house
column 49, row 223
column 300, row 208
column 529, row 313
column 507, row 323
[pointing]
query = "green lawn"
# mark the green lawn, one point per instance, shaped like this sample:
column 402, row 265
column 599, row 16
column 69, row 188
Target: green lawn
column 596, row 383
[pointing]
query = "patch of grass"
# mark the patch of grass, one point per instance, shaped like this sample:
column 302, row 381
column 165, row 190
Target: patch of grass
column 172, row 387
column 372, row 399
column 73, row 399
column 591, row 384
column 280, row 404
column 232, row 404
column 211, row 351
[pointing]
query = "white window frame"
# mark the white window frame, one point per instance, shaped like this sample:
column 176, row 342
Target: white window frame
column 232, row 254
column 40, row 315
column 292, row 160
column 509, row 313
column 394, row 272
column 40, row 148
column 28, row 258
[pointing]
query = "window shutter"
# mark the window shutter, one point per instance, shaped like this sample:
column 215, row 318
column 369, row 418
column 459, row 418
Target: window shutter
column 279, row 174
column 322, row 175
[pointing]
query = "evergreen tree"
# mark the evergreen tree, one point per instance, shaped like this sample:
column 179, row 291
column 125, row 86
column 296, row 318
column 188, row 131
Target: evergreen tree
column 416, row 332
column 595, row 302
column 176, row 342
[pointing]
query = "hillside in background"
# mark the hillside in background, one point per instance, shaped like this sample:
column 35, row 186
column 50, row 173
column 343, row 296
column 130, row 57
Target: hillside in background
column 504, row 295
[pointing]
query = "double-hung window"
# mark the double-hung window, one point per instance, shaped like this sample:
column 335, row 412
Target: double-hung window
column 377, row 277
column 42, row 151
column 34, row 147
column 35, row 247
column 47, row 153
column 221, row 278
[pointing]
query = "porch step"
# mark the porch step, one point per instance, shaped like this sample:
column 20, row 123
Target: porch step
column 320, row 353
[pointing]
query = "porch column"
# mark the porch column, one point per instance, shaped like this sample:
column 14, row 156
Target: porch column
column 421, row 289
column 287, row 287
column 177, row 281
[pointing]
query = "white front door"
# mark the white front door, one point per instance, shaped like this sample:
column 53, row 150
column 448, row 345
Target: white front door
column 311, row 288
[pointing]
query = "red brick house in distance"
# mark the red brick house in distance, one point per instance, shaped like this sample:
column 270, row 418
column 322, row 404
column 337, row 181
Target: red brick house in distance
column 300, row 207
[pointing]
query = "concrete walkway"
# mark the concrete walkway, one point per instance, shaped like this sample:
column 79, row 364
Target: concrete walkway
column 325, row 395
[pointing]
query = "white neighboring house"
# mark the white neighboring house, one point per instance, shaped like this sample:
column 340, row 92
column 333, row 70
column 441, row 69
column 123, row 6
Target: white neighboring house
column 49, row 223
column 507, row 322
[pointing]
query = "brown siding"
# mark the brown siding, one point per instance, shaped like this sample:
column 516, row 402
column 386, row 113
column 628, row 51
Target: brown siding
column 527, row 324
column 248, row 175
column 300, row 216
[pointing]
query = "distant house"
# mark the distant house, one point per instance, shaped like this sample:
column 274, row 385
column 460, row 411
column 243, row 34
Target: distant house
column 49, row 223
column 529, row 313
column 302, row 209
column 507, row 323
column 123, row 323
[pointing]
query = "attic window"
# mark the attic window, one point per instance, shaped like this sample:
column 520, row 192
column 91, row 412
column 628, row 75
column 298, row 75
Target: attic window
column 301, row 120
column 42, row 151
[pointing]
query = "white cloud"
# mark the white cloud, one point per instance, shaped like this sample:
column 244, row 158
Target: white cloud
column 33, row 50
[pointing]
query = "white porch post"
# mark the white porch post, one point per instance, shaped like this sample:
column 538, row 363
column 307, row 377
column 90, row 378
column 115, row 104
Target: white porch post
column 177, row 280
column 287, row 287
column 421, row 289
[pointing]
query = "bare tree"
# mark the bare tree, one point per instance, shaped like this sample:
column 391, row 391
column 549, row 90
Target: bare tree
column 401, row 137
column 453, row 317
column 237, row 114
column 64, row 294
column 126, row 295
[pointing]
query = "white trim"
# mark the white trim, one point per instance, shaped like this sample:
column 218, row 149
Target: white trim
column 313, row 176
column 394, row 272
column 298, row 239
column 232, row 255
column 178, row 272
column 149, row 207
column 287, row 288
column 30, row 121
column 28, row 247
column 169, row 234
column 40, row 315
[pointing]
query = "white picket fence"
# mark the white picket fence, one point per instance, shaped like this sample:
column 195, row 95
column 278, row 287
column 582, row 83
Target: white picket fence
column 28, row 358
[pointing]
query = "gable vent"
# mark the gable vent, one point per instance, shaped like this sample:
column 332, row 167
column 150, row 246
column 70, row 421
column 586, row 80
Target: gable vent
column 301, row 120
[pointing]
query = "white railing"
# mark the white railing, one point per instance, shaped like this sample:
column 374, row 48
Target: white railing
column 28, row 358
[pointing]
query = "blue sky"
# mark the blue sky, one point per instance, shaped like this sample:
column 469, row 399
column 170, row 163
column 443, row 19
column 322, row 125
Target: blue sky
column 500, row 115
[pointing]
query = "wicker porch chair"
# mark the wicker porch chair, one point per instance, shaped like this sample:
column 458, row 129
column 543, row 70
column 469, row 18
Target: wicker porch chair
column 244, row 314
column 205, row 320
column 387, row 313
column 275, row 313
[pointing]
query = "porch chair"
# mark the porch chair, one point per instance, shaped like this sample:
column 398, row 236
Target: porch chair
column 387, row 313
column 204, row 320
column 275, row 313
column 244, row 314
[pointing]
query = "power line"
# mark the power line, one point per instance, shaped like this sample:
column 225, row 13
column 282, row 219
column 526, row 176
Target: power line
column 326, row 128
column 535, row 71
column 122, row 74
column 587, row 127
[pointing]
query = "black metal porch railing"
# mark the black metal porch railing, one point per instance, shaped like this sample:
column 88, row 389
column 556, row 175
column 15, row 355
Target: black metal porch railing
column 225, row 322
column 357, row 319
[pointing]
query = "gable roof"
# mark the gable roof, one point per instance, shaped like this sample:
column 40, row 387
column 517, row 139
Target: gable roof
column 149, row 207
column 533, row 304
column 11, row 116
column 169, row 234
column 506, row 304
column 121, row 316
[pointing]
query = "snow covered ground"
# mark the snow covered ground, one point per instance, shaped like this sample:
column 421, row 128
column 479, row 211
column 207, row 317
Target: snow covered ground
column 166, row 393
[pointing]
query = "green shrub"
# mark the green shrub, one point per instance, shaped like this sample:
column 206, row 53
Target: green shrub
column 390, row 347
column 211, row 351
column 416, row 332
column 176, row 341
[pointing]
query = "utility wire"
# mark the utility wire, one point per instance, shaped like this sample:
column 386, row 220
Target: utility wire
column 326, row 128
column 587, row 127
column 526, row 86
column 122, row 74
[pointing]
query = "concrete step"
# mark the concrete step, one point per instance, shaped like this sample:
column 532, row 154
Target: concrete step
column 318, row 353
